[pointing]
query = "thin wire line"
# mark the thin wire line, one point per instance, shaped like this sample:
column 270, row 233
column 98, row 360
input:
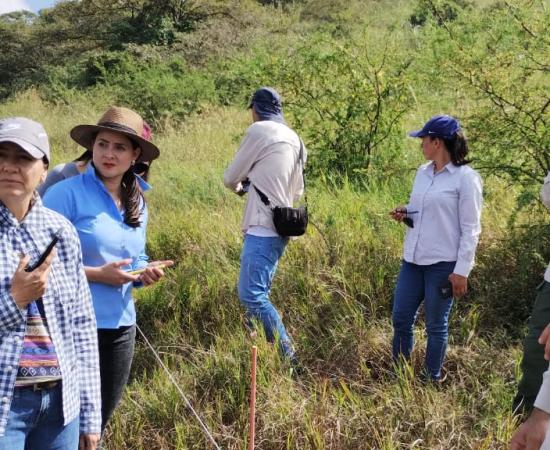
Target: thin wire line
column 187, row 402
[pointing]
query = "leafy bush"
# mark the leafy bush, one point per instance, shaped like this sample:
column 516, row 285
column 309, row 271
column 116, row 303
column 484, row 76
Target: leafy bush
column 442, row 10
column 498, row 58
column 349, row 100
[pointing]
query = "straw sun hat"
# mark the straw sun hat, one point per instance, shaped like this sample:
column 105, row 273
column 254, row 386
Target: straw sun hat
column 123, row 121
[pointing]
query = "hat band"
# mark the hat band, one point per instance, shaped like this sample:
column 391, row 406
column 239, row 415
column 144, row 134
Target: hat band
column 118, row 127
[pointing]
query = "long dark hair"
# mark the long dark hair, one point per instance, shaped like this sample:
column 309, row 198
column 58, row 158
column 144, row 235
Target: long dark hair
column 131, row 197
column 457, row 146
column 86, row 156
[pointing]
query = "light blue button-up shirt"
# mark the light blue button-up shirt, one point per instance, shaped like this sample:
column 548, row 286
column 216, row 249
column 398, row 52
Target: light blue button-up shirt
column 105, row 238
column 448, row 222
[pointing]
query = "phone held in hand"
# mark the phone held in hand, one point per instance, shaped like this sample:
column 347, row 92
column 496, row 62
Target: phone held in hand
column 46, row 252
column 140, row 271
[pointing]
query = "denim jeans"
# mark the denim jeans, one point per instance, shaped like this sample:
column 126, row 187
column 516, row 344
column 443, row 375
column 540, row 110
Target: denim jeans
column 116, row 351
column 35, row 422
column 415, row 284
column 259, row 259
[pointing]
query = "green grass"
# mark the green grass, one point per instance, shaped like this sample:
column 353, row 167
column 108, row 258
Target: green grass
column 333, row 288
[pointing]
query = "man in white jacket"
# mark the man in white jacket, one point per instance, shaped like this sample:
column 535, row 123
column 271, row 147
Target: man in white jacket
column 270, row 160
column 531, row 434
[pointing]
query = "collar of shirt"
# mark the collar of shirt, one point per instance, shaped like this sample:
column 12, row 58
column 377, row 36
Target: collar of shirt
column 430, row 168
column 34, row 218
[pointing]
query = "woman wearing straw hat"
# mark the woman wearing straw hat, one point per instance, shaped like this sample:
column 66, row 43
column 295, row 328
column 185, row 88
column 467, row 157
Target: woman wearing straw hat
column 79, row 165
column 107, row 207
column 443, row 216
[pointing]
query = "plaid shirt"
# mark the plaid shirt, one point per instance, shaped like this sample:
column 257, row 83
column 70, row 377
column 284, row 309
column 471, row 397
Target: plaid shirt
column 68, row 308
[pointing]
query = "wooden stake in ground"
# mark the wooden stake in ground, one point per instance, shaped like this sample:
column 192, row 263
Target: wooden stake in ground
column 252, row 419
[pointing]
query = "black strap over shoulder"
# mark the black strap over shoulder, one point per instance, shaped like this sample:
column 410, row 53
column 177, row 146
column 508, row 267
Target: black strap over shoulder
column 264, row 198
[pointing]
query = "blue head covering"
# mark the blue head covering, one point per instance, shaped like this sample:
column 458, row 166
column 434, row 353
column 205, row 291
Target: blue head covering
column 438, row 126
column 266, row 101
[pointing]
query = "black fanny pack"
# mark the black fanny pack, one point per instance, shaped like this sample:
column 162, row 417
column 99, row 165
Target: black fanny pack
column 288, row 221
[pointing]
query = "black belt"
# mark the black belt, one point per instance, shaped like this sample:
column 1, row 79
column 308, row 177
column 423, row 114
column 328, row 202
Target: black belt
column 40, row 386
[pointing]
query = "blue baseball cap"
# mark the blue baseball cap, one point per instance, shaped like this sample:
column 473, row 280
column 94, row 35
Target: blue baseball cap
column 438, row 126
column 268, row 98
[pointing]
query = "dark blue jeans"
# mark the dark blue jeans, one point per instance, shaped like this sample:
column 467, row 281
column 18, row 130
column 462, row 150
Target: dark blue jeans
column 414, row 285
column 116, row 351
column 35, row 422
column 259, row 259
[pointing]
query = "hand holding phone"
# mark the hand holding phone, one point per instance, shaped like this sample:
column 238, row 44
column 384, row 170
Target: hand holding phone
column 153, row 272
column 29, row 281
column 45, row 253
column 143, row 269
column 244, row 187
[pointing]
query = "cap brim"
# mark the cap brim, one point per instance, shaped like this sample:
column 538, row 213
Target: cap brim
column 417, row 133
column 32, row 150
column 83, row 135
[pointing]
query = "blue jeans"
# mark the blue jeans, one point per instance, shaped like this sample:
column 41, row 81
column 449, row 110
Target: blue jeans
column 259, row 259
column 417, row 283
column 35, row 422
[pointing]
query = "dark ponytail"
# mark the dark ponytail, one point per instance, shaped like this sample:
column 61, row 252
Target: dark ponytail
column 131, row 198
column 457, row 146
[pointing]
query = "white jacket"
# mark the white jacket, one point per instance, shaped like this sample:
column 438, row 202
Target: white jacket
column 269, row 158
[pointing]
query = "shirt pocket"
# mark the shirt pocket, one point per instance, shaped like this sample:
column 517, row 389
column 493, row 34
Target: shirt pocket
column 62, row 287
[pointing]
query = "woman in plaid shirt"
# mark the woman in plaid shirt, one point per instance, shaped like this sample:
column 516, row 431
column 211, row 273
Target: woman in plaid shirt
column 49, row 365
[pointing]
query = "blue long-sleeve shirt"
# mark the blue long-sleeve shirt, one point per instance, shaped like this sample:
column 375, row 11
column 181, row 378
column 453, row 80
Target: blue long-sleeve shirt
column 105, row 238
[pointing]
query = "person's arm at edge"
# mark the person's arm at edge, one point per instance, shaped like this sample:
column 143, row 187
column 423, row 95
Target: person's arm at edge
column 531, row 434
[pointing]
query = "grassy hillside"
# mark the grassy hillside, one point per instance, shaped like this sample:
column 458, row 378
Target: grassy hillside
column 334, row 290
column 337, row 63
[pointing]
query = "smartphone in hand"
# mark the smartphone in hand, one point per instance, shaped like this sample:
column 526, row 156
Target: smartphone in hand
column 140, row 271
column 46, row 252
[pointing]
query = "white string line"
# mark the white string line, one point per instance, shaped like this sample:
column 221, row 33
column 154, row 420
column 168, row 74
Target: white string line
column 187, row 402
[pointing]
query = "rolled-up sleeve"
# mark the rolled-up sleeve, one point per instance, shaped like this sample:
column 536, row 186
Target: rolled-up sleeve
column 469, row 215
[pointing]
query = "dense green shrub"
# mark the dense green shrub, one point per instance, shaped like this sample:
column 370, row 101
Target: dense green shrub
column 442, row 10
column 497, row 57
column 349, row 100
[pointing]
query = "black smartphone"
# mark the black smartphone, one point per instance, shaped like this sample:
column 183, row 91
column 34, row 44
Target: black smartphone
column 46, row 252
column 446, row 289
